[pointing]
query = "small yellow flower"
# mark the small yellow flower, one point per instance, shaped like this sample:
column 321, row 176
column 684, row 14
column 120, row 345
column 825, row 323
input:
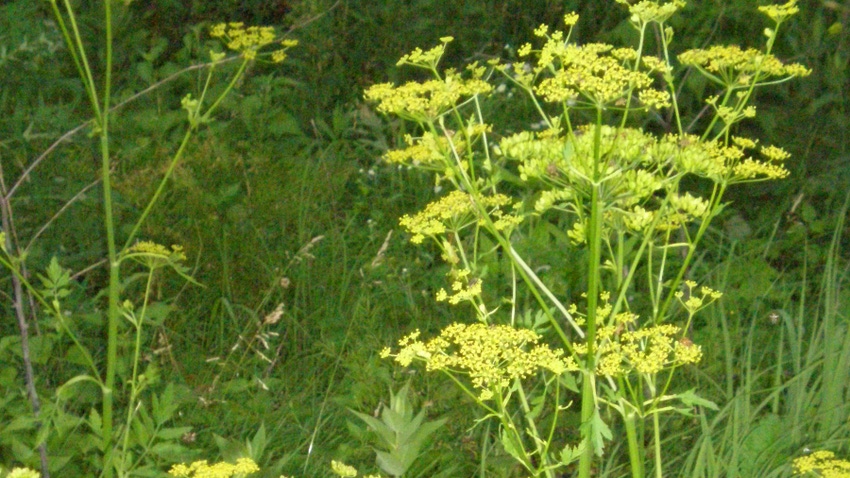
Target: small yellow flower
column 725, row 64
column 343, row 470
column 248, row 41
column 453, row 212
column 426, row 59
column 491, row 355
column 780, row 13
column 23, row 473
column 822, row 463
column 202, row 469
column 426, row 100
column 154, row 255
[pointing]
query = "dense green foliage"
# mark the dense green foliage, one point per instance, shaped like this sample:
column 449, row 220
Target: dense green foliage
column 289, row 220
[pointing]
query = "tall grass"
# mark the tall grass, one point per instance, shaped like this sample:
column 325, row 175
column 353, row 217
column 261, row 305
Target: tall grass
column 786, row 391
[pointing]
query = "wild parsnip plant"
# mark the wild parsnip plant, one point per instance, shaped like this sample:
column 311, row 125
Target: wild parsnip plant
column 619, row 188
column 119, row 455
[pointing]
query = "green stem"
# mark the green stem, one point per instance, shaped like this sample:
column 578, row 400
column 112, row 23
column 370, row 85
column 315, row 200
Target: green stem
column 532, row 428
column 135, row 389
column 635, row 448
column 714, row 203
column 114, row 265
column 656, row 430
column 177, row 156
column 182, row 148
column 594, row 239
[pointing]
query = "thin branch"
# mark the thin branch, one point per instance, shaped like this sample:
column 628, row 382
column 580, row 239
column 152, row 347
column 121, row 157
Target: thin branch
column 23, row 326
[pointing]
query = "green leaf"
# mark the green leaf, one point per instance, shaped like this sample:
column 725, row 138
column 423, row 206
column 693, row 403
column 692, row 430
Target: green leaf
column 169, row 451
column 538, row 403
column 384, row 432
column 164, row 406
column 230, row 450
column 95, row 422
column 597, row 431
column 172, row 433
column 390, row 464
column 157, row 312
column 511, row 446
column 258, row 444
column 571, row 453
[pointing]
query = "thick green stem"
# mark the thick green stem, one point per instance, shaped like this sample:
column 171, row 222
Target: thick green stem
column 635, row 447
column 656, row 429
column 594, row 240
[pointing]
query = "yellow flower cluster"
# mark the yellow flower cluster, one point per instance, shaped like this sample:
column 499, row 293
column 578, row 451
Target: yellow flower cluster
column 202, row 469
column 249, row 40
column 491, row 355
column 636, row 167
column 464, row 288
column 454, row 212
column 780, row 13
column 152, row 248
column 620, row 351
column 596, row 72
column 426, row 59
column 341, row 469
column 733, row 66
column 345, row 471
column 822, row 463
column 645, row 351
column 153, row 255
column 719, row 162
column 434, row 152
column 427, row 100
column 23, row 473
column 648, row 11
column 429, row 151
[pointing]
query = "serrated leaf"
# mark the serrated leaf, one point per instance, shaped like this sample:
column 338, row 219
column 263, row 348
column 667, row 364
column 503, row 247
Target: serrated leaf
column 165, row 405
column 597, row 430
column 511, row 446
column 571, row 453
column 95, row 422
